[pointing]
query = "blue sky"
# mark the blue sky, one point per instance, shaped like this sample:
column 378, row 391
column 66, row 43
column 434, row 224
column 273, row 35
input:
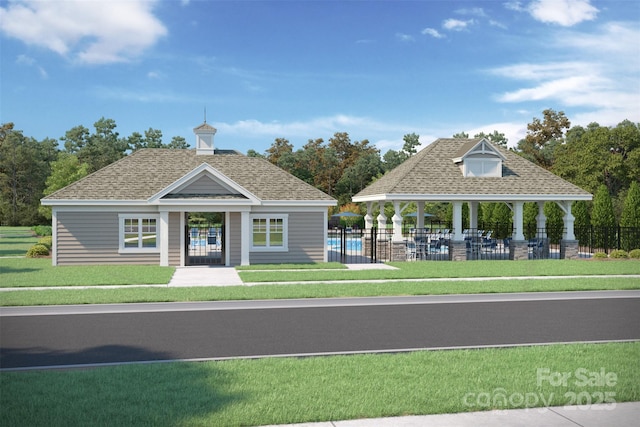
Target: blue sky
column 307, row 69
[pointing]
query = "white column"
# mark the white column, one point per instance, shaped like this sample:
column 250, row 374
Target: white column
column 245, row 237
column 518, row 209
column 569, row 220
column 473, row 215
column 457, row 221
column 326, row 234
column 382, row 222
column 164, row 239
column 54, row 236
column 397, row 222
column 225, row 243
column 420, row 217
column 368, row 218
column 183, row 249
column 541, row 221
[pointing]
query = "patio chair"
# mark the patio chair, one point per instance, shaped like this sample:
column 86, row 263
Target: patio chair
column 411, row 251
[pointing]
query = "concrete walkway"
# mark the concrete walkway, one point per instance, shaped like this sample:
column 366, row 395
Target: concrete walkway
column 205, row 276
column 615, row 414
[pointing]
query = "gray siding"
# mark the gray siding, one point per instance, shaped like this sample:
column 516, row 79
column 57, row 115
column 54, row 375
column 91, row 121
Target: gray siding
column 307, row 241
column 233, row 241
column 204, row 185
column 92, row 238
column 174, row 238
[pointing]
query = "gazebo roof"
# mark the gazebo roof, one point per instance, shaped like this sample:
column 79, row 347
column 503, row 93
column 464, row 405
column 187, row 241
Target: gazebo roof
column 433, row 175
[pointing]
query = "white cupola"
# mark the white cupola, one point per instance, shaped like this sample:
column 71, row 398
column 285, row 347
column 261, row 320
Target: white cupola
column 204, row 139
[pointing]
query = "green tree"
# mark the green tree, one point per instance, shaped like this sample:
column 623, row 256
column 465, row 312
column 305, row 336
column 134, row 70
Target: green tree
column 277, row 149
column 24, row 167
column 64, row 171
column 153, row 138
column 461, row 135
column 495, row 137
column 99, row 149
column 630, row 239
column 555, row 222
column 394, row 158
column 543, row 136
column 582, row 223
column 603, row 219
column 178, row 143
column 356, row 177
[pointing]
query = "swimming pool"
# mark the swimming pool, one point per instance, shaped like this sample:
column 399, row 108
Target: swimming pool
column 335, row 244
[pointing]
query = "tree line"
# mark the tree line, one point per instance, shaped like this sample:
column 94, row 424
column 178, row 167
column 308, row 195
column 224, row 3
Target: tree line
column 602, row 160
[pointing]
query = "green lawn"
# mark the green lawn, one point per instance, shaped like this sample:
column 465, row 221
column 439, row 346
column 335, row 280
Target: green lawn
column 22, row 272
column 16, row 241
column 26, row 272
column 435, row 269
column 293, row 390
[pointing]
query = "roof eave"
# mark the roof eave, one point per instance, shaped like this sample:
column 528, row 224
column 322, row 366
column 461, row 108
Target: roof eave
column 472, row 197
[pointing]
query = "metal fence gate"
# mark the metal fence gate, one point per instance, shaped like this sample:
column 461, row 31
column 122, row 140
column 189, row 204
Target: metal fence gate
column 204, row 244
column 358, row 246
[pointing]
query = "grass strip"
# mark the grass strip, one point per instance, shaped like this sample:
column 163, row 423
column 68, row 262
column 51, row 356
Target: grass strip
column 23, row 272
column 295, row 390
column 484, row 268
column 312, row 266
column 132, row 295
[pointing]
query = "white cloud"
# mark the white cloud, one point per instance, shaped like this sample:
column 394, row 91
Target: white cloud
column 562, row 12
column 456, row 24
column 601, row 84
column 515, row 5
column 433, row 33
column 475, row 11
column 87, row 32
column 404, row 37
column 389, row 135
column 31, row 62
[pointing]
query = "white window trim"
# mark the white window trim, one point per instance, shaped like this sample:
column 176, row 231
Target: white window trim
column 285, row 233
column 139, row 217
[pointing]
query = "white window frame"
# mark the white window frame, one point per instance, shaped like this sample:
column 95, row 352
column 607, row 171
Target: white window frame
column 285, row 233
column 140, row 248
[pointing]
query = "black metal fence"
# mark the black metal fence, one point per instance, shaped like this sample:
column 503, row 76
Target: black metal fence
column 593, row 239
column 358, row 246
column 354, row 246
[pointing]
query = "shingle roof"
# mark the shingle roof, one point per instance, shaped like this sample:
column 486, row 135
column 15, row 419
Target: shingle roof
column 432, row 173
column 149, row 171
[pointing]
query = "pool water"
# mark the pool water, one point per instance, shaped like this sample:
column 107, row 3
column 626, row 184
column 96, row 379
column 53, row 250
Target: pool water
column 351, row 244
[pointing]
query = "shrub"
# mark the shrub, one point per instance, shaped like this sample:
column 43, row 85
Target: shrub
column 635, row 254
column 618, row 253
column 37, row 250
column 600, row 255
column 46, row 241
column 42, row 230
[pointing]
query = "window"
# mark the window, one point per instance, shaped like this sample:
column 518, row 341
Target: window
column 139, row 233
column 269, row 232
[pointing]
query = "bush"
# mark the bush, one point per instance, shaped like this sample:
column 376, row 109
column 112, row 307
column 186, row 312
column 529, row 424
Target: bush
column 37, row 250
column 600, row 255
column 635, row 254
column 42, row 230
column 618, row 253
column 46, row 241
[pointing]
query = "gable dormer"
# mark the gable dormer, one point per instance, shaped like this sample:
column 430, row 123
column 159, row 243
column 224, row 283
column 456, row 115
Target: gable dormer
column 479, row 158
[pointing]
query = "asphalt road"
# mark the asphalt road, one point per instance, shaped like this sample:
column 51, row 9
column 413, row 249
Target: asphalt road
column 79, row 335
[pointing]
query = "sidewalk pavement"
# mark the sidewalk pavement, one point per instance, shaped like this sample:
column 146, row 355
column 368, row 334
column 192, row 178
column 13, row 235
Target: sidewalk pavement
column 615, row 414
column 228, row 276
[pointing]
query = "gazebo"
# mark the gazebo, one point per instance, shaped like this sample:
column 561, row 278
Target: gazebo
column 471, row 171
